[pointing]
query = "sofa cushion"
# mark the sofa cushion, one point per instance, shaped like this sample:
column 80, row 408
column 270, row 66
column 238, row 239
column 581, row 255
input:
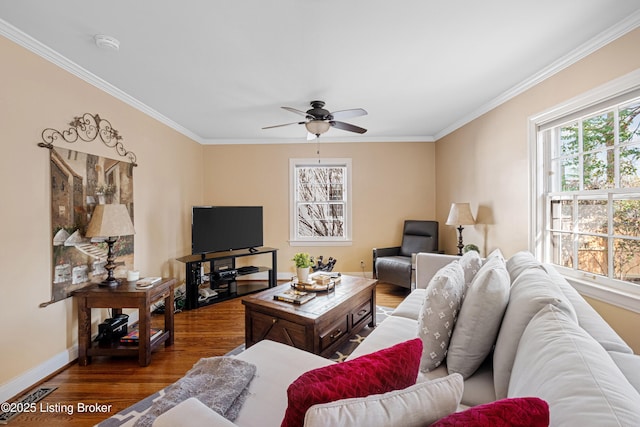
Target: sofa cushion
column 417, row 405
column 478, row 388
column 393, row 368
column 561, row 363
column 520, row 262
column 278, row 365
column 629, row 364
column 588, row 317
column 479, row 319
column 393, row 330
column 438, row 315
column 517, row 412
column 411, row 305
column 193, row 410
column 531, row 291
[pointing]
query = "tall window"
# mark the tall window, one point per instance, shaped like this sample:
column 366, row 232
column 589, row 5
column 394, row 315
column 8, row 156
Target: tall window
column 590, row 176
column 320, row 201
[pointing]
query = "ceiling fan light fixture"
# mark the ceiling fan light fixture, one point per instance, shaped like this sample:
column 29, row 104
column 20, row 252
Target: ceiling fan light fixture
column 317, row 127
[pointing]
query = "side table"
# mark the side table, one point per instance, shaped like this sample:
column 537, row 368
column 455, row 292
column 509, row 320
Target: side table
column 125, row 295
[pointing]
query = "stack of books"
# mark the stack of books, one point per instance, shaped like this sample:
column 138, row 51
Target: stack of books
column 134, row 336
column 295, row 297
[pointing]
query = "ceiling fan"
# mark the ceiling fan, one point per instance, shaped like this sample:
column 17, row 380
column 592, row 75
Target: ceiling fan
column 318, row 120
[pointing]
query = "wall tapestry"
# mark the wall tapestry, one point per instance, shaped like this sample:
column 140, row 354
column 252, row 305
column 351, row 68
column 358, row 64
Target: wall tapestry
column 80, row 181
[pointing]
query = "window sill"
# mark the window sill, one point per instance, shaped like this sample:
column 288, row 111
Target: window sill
column 320, row 242
column 620, row 298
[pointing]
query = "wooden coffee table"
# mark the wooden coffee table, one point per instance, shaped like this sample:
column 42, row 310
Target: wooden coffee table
column 319, row 326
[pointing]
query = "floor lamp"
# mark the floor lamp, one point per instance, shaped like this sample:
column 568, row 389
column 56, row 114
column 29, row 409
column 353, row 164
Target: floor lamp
column 460, row 214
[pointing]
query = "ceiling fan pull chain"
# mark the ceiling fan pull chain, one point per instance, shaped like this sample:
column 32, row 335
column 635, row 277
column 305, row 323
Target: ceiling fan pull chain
column 318, row 147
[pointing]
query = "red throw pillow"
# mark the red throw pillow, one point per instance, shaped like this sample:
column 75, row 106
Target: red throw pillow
column 514, row 412
column 392, row 368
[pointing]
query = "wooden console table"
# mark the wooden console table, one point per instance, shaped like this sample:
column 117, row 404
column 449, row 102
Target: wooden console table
column 126, row 295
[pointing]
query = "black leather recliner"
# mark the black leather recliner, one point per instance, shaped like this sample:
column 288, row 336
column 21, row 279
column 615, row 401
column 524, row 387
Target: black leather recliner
column 393, row 265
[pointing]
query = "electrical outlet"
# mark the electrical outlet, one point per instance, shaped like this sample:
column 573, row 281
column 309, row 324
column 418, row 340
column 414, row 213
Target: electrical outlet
column 361, row 263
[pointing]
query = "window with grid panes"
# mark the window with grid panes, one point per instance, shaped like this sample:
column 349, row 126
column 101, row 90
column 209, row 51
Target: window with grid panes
column 320, row 200
column 592, row 190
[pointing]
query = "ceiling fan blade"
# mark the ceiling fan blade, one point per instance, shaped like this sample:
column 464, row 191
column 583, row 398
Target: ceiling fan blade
column 346, row 114
column 347, row 126
column 293, row 110
column 286, row 124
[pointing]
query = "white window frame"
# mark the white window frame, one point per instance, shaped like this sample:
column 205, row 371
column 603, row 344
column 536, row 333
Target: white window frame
column 620, row 293
column 294, row 239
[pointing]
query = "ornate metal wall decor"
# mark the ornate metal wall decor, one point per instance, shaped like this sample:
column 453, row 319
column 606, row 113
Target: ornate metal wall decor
column 80, row 181
column 87, row 128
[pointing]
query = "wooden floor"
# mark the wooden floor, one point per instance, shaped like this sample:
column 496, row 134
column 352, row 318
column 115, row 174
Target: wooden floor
column 117, row 383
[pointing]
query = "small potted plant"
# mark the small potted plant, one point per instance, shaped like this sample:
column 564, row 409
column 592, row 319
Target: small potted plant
column 471, row 247
column 303, row 263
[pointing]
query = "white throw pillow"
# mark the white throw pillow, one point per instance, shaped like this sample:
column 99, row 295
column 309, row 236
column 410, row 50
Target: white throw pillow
column 531, row 291
column 495, row 253
column 438, row 314
column 562, row 364
column 479, row 319
column 415, row 406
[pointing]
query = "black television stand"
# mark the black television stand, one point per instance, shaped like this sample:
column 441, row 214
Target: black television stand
column 225, row 286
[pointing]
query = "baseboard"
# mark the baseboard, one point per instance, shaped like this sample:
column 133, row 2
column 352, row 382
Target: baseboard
column 29, row 379
column 33, row 376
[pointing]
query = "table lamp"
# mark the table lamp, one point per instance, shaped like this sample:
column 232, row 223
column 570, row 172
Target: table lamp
column 460, row 214
column 110, row 221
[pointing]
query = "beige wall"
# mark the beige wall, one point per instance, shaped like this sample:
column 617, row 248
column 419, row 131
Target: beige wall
column 391, row 182
column 36, row 94
column 486, row 162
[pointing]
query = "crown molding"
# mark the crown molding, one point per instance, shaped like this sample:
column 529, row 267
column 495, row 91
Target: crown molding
column 323, row 140
column 620, row 29
column 14, row 34
column 623, row 27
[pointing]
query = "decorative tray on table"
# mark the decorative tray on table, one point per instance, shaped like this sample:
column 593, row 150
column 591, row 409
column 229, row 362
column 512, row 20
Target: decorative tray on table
column 313, row 286
column 318, row 282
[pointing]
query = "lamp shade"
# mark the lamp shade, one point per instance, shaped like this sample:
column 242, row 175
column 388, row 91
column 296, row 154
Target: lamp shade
column 317, row 127
column 460, row 214
column 110, row 221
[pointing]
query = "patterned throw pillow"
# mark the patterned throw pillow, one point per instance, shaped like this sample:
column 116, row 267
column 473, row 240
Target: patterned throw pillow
column 471, row 263
column 392, row 368
column 439, row 313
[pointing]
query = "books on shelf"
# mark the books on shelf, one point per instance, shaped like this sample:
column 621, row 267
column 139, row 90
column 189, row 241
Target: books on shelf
column 147, row 282
column 134, row 336
column 295, row 297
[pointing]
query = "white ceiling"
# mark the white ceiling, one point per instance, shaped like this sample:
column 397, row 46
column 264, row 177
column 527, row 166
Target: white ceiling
column 219, row 71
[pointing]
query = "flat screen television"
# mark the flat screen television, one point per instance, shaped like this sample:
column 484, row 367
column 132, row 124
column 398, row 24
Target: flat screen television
column 225, row 228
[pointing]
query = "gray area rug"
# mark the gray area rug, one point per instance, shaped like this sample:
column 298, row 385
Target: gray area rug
column 128, row 417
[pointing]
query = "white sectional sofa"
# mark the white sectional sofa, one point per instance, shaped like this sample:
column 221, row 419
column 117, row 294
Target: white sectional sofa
column 519, row 330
